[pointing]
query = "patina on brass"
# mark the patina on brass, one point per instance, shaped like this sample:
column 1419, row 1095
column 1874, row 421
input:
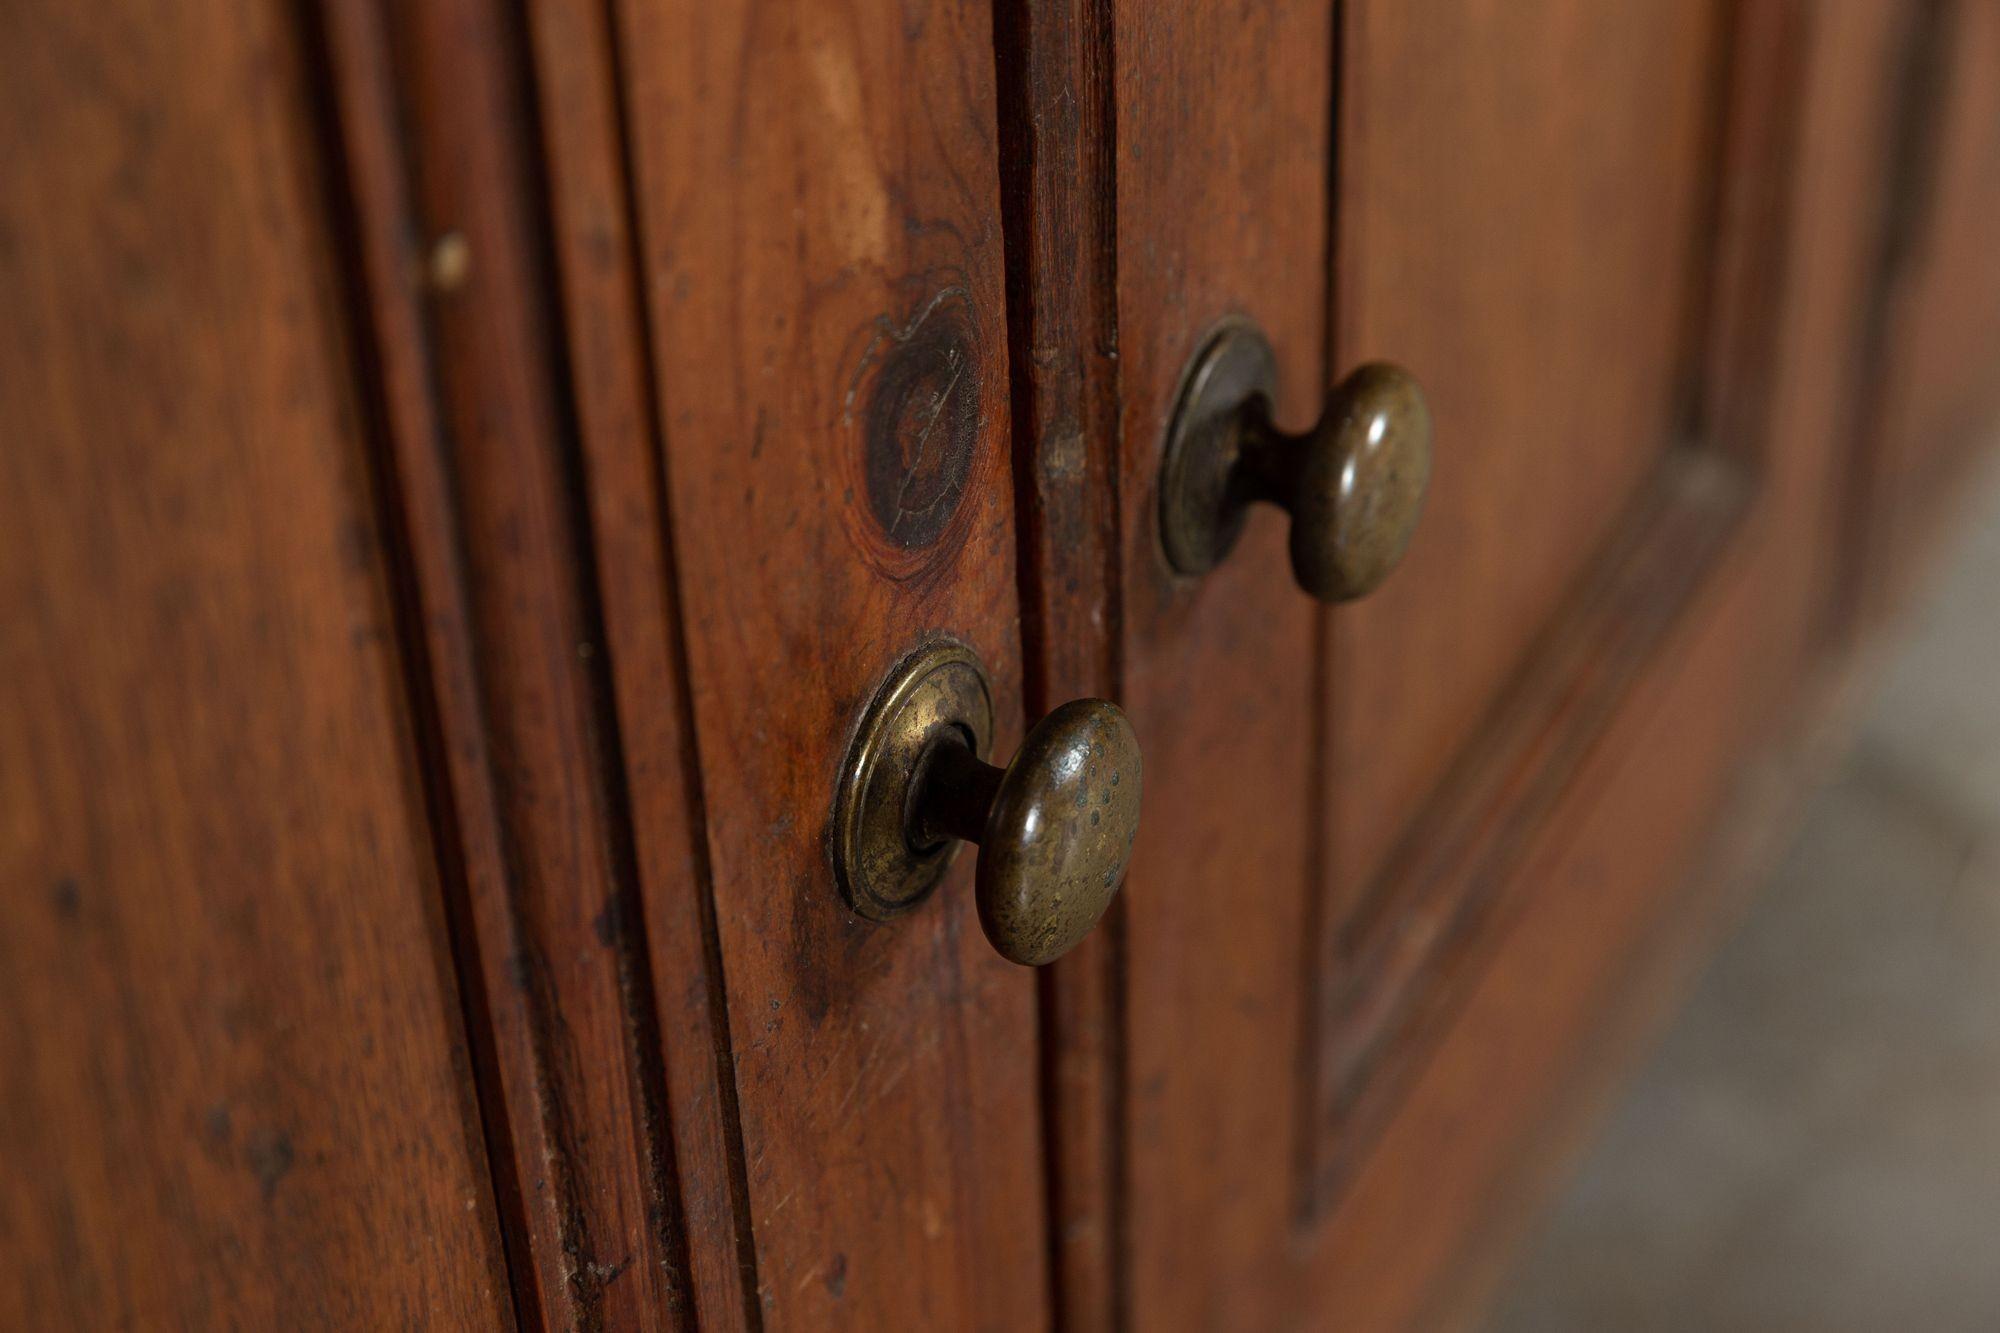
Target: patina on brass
column 1354, row 484
column 1055, row 827
column 941, row 689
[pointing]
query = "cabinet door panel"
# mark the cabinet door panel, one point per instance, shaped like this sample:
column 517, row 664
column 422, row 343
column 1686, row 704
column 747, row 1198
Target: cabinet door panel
column 1575, row 226
column 1527, row 236
column 1523, row 210
column 1556, row 872
column 818, row 214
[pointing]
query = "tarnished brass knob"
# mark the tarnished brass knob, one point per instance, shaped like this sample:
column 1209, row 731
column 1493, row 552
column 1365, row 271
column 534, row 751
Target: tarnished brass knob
column 1354, row 484
column 1054, row 827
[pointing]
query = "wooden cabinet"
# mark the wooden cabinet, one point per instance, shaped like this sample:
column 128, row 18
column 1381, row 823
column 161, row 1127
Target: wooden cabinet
column 238, row 1088
column 470, row 470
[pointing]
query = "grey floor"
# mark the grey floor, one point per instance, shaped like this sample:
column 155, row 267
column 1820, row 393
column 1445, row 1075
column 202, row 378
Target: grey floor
column 1815, row 1143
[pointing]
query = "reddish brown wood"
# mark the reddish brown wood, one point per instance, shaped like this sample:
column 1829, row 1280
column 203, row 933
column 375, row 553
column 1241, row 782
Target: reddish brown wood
column 433, row 115
column 1222, row 121
column 1931, row 370
column 1581, row 194
column 416, row 751
column 1592, row 891
column 1057, row 191
column 1526, row 238
column 818, row 209
column 1392, row 968
column 576, row 70
column 1403, row 956
column 236, row 1084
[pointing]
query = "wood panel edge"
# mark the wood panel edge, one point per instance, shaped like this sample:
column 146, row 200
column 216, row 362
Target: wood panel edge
column 1054, row 70
column 450, row 242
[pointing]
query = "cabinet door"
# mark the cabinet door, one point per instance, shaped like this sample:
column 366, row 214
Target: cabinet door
column 1401, row 856
column 1526, row 214
column 1575, row 225
column 803, row 198
column 237, row 1087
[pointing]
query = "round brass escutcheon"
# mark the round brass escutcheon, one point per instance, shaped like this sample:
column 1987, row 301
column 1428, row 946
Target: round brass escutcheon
column 939, row 689
column 1055, row 827
column 1354, row 484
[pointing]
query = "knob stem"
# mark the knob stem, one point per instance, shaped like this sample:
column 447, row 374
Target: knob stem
column 952, row 794
column 1269, row 461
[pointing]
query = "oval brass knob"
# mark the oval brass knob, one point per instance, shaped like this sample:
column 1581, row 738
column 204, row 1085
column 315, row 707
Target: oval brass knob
column 1055, row 826
column 1354, row 484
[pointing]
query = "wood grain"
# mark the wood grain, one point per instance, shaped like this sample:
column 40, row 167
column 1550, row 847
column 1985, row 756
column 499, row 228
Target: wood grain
column 237, row 1090
column 1526, row 238
column 1393, row 960
column 818, row 211
column 1222, row 121
column 1058, row 190
column 434, row 113
column 1402, row 957
column 609, row 343
column 1536, row 245
column 1594, row 892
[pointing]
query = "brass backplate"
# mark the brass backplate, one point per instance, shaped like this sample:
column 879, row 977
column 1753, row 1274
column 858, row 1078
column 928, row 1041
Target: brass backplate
column 1200, row 519
column 942, row 684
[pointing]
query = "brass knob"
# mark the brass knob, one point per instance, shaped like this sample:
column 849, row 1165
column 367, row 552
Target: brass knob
column 1054, row 827
column 1354, row 484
